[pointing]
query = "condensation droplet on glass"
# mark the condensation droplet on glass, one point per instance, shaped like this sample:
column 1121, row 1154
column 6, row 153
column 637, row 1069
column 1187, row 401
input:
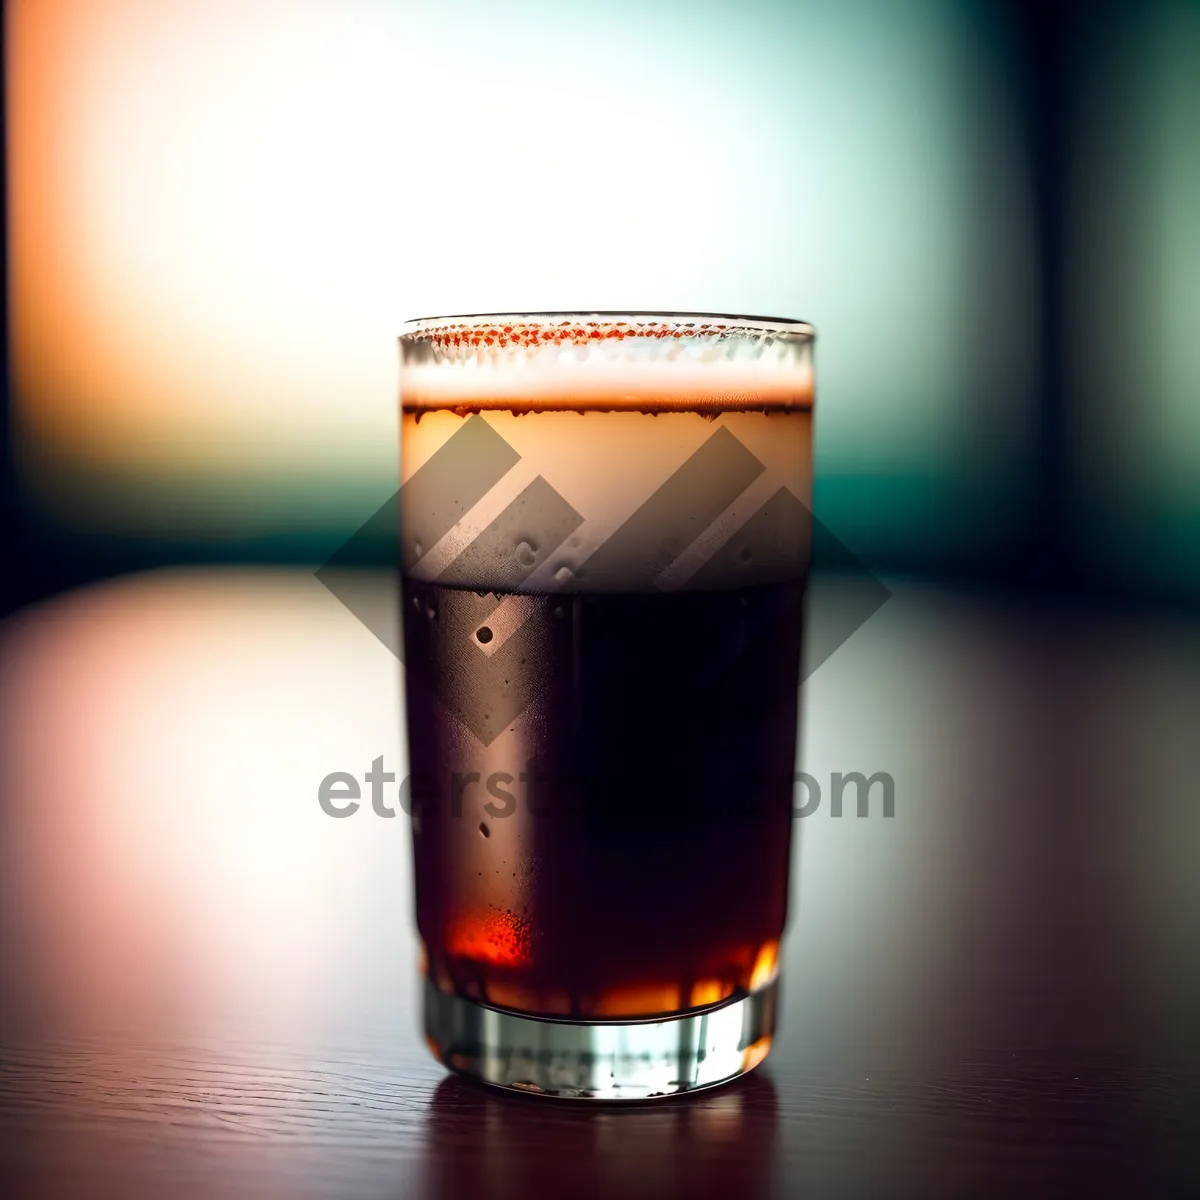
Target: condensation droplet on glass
column 563, row 573
column 526, row 554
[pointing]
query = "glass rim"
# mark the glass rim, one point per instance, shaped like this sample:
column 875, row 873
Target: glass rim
column 699, row 322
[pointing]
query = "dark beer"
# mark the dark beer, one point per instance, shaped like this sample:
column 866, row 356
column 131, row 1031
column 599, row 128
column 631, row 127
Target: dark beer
column 602, row 678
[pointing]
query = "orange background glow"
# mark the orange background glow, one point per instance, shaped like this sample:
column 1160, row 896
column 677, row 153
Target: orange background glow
column 221, row 214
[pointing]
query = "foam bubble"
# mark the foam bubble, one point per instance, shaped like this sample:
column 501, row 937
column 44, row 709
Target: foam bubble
column 642, row 364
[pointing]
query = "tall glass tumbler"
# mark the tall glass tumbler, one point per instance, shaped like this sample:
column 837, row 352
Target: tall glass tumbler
column 605, row 540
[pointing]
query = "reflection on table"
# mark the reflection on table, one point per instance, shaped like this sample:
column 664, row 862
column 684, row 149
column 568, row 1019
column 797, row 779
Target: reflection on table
column 209, row 984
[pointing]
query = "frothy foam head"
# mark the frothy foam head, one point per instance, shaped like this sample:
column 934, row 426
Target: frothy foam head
column 604, row 452
column 582, row 362
column 557, row 501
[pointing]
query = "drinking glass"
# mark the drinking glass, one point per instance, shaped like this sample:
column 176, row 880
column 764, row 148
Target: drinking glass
column 605, row 537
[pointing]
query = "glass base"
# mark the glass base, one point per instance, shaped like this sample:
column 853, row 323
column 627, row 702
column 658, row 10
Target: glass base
column 601, row 1060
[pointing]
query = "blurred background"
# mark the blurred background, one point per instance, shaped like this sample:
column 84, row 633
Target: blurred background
column 219, row 214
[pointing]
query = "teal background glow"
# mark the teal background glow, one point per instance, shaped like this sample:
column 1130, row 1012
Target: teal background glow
column 1136, row 336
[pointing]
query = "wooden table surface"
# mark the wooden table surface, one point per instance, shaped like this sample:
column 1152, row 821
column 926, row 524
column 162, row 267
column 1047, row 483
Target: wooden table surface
column 209, row 986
